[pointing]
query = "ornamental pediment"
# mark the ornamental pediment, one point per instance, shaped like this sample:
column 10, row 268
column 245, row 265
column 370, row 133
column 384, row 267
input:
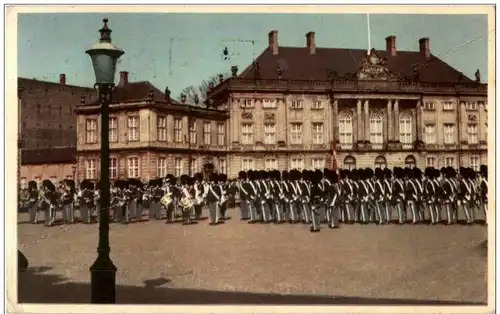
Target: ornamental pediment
column 374, row 67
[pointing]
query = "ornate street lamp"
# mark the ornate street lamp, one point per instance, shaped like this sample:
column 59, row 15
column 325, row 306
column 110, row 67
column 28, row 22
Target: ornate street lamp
column 104, row 56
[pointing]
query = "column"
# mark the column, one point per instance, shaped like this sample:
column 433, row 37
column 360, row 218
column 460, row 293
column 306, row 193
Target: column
column 359, row 122
column 335, row 121
column 418, row 129
column 396, row 121
column 390, row 124
column 367, row 121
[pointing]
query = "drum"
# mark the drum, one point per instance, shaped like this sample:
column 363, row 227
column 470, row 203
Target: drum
column 166, row 199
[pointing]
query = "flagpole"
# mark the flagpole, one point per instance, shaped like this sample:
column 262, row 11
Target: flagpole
column 369, row 38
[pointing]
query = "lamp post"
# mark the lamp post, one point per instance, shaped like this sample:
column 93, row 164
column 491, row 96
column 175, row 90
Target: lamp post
column 104, row 56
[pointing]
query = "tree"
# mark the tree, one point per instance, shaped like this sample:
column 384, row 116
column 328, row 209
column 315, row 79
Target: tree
column 196, row 95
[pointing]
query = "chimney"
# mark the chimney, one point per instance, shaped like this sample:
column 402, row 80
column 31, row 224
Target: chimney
column 390, row 43
column 123, row 78
column 311, row 43
column 425, row 49
column 62, row 79
column 234, row 70
column 273, row 42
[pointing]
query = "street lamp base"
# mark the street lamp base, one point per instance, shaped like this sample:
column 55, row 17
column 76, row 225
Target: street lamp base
column 103, row 281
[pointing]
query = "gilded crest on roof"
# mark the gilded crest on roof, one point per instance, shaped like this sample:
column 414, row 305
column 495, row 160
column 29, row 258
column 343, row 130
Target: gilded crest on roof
column 374, row 67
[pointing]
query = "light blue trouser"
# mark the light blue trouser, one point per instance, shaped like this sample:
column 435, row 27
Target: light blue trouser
column 33, row 211
column 68, row 213
column 315, row 218
column 213, row 209
column 278, row 212
column 244, row 209
column 306, row 212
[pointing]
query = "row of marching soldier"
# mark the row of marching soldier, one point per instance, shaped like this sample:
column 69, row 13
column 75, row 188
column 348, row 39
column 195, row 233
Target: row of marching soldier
column 310, row 197
column 363, row 196
column 163, row 198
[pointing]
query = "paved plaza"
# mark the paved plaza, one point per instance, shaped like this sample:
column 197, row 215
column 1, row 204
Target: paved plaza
column 263, row 263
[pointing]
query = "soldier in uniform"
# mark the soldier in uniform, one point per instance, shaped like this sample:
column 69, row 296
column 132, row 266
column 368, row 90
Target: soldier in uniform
column 379, row 196
column 253, row 193
column 448, row 196
column 32, row 201
column 483, row 190
column 243, row 188
column 49, row 202
column 266, row 197
column 199, row 191
column 213, row 198
column 224, row 201
column 169, row 190
column 464, row 193
column 279, row 197
column 430, row 195
column 411, row 194
column 398, row 194
column 67, row 201
column 388, row 194
column 290, row 209
column 87, row 201
column 333, row 191
column 316, row 198
column 304, row 194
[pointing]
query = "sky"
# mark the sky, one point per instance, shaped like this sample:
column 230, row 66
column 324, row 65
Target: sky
column 182, row 49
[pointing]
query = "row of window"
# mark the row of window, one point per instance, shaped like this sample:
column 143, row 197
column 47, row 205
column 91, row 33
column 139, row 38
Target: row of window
column 133, row 133
column 450, row 106
column 449, row 131
column 271, row 163
column 410, row 161
column 133, row 169
column 270, row 133
column 272, row 103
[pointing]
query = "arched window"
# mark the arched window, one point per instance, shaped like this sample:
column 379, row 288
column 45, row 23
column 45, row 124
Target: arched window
column 405, row 130
column 350, row 163
column 380, row 162
column 345, row 130
column 410, row 161
column 376, row 131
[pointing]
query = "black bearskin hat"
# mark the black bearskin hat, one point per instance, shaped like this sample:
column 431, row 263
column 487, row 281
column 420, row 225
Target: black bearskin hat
column 32, row 185
column 242, row 175
column 222, row 178
column 483, row 169
column 285, row 175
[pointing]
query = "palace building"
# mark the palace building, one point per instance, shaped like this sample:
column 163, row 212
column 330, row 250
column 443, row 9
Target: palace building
column 381, row 109
column 151, row 135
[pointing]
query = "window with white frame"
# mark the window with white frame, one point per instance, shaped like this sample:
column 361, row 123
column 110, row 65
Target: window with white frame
column 178, row 167
column 222, row 166
column 246, row 103
column 376, row 130
column 317, row 133
column 474, row 162
column 206, row 133
column 295, row 115
column 161, row 127
column 449, row 133
column 296, row 104
column 449, row 162
column 91, row 131
column 269, row 133
column 447, row 106
column 296, row 133
column 178, row 130
column 345, row 129
column 23, row 183
column 269, row 103
column 271, row 163
column 429, row 105
column 113, row 129
column 430, row 133
column 405, row 129
column 192, row 131
column 91, row 169
column 430, row 161
column 221, row 134
column 317, row 104
column 349, row 163
column 133, row 167
column 248, row 164
column 133, row 128
column 380, row 162
column 193, row 165
column 53, row 179
column 471, row 106
column 297, row 163
column 162, row 167
column 247, row 133
column 38, row 181
column 472, row 133
column 318, row 163
column 113, row 167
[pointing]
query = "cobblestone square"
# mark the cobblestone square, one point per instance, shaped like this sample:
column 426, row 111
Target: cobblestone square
column 238, row 262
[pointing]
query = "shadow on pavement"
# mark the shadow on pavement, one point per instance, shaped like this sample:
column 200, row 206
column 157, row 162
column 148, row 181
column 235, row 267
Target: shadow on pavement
column 36, row 287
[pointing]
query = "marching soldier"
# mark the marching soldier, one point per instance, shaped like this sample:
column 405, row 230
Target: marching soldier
column 32, row 203
column 483, row 190
column 279, row 197
column 464, row 194
column 316, row 198
column 224, row 190
column 411, row 194
column 199, row 191
column 254, row 200
column 244, row 187
column 324, row 195
column 213, row 197
column 265, row 196
column 67, row 201
column 431, row 194
column 304, row 191
column 87, row 201
column 379, row 196
column 48, row 202
column 448, row 197
column 398, row 194
column 333, row 190
column 388, row 194
column 168, row 197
